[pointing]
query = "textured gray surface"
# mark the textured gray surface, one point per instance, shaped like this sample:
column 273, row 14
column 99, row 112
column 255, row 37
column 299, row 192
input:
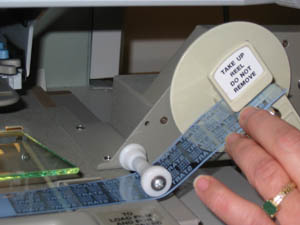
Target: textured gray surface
column 139, row 83
column 98, row 101
column 56, row 128
column 232, row 179
column 129, row 106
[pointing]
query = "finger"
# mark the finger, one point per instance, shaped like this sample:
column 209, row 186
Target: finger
column 277, row 137
column 258, row 166
column 264, row 173
column 228, row 206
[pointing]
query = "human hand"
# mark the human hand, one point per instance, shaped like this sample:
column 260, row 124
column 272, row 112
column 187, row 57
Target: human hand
column 270, row 159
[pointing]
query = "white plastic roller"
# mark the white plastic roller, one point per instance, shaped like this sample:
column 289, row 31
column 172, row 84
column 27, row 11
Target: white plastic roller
column 155, row 180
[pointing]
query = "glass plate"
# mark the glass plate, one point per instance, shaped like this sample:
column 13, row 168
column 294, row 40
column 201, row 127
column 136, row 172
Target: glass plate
column 22, row 156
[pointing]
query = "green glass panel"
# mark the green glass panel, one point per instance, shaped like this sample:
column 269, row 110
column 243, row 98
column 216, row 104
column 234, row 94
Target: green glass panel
column 22, row 156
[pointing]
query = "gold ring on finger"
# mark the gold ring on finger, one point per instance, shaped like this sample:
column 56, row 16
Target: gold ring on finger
column 271, row 206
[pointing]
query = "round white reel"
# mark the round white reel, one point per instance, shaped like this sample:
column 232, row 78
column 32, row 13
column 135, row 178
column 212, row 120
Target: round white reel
column 192, row 93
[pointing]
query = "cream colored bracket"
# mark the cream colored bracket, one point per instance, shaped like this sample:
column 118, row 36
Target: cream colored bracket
column 241, row 76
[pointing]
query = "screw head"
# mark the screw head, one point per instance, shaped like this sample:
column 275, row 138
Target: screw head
column 158, row 183
column 164, row 120
column 80, row 127
column 25, row 156
column 107, row 157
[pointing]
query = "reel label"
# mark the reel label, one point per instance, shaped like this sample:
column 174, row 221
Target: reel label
column 238, row 71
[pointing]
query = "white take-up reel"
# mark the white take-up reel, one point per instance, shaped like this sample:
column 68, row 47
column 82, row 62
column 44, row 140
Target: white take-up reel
column 233, row 61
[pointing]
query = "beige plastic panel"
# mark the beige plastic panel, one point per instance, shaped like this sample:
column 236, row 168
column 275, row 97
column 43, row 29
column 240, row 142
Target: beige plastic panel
column 192, row 93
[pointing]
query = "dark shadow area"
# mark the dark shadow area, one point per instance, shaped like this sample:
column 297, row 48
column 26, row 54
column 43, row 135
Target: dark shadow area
column 15, row 16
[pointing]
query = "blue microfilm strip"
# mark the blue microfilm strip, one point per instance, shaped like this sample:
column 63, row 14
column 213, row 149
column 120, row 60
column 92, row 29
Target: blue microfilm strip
column 191, row 150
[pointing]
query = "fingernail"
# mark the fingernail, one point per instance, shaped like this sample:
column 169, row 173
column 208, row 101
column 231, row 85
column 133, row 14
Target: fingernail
column 246, row 113
column 201, row 183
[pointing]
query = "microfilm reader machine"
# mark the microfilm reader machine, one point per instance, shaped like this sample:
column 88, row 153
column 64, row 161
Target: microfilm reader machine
column 60, row 164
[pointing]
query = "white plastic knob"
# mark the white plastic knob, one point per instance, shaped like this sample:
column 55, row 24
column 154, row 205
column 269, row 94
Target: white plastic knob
column 155, row 180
